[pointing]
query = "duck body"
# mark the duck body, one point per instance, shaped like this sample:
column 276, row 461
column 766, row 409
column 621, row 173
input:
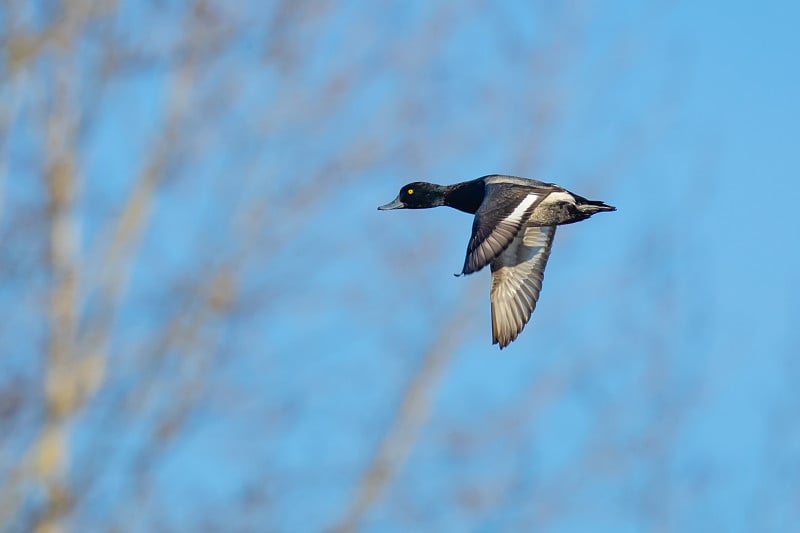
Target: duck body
column 513, row 230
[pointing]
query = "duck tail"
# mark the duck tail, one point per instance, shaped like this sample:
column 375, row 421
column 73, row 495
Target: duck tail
column 591, row 207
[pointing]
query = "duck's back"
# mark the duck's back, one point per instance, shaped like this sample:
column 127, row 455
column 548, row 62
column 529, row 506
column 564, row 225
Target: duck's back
column 522, row 182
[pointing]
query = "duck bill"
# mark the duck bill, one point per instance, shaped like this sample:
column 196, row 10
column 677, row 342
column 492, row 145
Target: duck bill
column 394, row 204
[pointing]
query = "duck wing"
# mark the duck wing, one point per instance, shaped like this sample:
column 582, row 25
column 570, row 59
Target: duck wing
column 517, row 275
column 505, row 209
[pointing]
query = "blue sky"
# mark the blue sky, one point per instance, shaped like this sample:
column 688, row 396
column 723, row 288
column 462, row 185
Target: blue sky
column 654, row 387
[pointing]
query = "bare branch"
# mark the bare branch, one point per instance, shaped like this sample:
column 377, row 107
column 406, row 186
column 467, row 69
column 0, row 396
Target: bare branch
column 412, row 414
column 50, row 455
column 117, row 261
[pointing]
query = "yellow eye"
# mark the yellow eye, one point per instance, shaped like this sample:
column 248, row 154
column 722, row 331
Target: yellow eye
column 410, row 191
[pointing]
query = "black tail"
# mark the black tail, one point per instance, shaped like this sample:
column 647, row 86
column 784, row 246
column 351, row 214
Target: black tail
column 593, row 206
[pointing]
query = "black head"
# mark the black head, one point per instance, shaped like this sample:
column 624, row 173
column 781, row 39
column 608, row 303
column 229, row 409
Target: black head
column 417, row 195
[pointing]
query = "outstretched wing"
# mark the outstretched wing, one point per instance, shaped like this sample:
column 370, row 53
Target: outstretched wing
column 504, row 210
column 517, row 275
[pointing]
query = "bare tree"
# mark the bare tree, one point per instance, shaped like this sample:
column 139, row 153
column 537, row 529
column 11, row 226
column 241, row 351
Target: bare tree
column 130, row 282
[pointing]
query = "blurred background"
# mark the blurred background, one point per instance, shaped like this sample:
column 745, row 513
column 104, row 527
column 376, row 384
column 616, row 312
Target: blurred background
column 208, row 326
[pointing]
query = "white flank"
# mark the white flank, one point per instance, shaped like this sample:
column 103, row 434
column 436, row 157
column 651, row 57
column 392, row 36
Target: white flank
column 516, row 214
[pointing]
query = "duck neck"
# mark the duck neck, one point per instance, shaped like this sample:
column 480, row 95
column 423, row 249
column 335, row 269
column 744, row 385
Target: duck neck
column 465, row 196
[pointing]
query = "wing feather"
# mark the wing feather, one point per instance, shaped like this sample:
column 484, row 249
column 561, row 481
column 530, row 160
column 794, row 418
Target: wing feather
column 502, row 214
column 517, row 275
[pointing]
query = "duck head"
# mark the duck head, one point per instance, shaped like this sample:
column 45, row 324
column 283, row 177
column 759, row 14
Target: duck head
column 417, row 195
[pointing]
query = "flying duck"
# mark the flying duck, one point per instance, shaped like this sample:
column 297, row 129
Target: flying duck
column 515, row 221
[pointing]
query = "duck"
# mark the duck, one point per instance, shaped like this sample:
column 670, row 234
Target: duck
column 512, row 232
